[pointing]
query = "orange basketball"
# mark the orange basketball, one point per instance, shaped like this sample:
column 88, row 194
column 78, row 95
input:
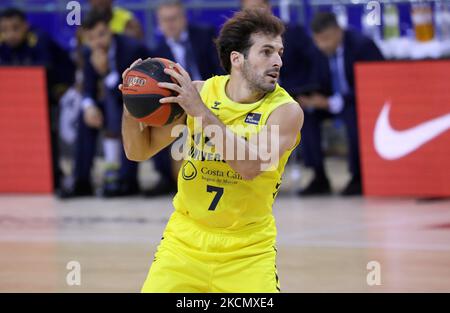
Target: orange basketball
column 141, row 93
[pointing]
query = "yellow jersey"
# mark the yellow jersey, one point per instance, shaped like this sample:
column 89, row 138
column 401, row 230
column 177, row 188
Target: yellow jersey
column 211, row 192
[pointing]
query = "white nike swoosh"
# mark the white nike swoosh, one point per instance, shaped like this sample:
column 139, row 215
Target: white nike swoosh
column 392, row 144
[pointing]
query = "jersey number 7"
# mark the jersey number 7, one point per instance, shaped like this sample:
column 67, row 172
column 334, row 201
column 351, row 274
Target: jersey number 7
column 218, row 195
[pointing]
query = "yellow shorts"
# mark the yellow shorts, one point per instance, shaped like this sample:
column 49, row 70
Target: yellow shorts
column 193, row 258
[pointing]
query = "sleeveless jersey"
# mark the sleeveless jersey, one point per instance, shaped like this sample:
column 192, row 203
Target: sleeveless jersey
column 210, row 191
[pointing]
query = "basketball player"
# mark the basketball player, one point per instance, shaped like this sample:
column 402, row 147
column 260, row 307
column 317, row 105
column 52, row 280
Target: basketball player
column 221, row 236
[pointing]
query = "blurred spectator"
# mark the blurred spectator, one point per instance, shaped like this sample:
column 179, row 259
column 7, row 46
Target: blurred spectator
column 70, row 103
column 297, row 57
column 105, row 58
column 121, row 21
column 334, row 97
column 192, row 46
column 22, row 45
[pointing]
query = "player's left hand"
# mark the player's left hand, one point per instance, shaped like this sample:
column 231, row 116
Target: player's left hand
column 188, row 97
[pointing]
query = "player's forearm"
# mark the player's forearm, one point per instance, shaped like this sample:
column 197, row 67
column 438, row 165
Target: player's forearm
column 248, row 167
column 136, row 139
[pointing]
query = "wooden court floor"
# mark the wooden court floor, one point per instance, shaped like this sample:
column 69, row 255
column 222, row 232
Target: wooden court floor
column 324, row 244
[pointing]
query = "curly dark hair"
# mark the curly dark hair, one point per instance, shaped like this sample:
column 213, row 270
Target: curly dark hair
column 235, row 34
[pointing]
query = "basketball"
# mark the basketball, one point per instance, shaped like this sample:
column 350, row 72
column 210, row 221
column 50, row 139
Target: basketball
column 141, row 93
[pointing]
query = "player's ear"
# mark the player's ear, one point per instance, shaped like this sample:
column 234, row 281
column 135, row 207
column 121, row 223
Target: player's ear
column 236, row 58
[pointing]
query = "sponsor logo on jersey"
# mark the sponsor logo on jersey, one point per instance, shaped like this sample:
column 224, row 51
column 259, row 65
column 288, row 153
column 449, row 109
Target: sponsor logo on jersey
column 189, row 171
column 253, row 118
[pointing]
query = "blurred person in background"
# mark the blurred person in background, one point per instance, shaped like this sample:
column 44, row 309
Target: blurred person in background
column 296, row 73
column 106, row 55
column 189, row 45
column 298, row 55
column 334, row 98
column 121, row 21
column 23, row 45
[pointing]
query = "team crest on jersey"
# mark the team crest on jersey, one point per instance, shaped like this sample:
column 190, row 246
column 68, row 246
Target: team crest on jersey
column 253, row 118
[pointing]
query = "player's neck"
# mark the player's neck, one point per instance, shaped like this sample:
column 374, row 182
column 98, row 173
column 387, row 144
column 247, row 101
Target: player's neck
column 238, row 90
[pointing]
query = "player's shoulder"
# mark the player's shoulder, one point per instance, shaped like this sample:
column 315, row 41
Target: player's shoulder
column 281, row 103
column 288, row 115
column 289, row 109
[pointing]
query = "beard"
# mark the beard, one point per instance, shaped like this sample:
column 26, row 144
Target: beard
column 257, row 82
